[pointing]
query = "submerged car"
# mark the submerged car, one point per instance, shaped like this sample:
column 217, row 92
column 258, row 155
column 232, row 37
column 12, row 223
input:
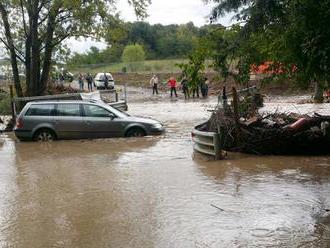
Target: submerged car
column 52, row 120
column 100, row 79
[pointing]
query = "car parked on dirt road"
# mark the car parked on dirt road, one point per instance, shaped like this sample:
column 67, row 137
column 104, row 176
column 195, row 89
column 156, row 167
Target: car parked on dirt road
column 51, row 120
column 99, row 81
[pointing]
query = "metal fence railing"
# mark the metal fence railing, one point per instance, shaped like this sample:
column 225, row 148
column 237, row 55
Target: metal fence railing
column 207, row 143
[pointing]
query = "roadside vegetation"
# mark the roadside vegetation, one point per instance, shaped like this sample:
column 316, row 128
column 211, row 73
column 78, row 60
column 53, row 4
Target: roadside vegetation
column 5, row 108
column 291, row 36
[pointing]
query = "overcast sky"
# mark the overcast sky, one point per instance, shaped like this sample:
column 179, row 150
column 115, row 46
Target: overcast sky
column 160, row 11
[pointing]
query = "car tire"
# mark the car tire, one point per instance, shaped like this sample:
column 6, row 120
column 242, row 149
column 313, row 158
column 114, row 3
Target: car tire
column 135, row 132
column 44, row 135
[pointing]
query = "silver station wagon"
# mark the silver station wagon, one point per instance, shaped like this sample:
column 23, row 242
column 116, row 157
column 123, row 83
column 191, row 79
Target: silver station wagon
column 51, row 120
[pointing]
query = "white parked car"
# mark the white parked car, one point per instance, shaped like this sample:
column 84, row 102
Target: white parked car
column 99, row 81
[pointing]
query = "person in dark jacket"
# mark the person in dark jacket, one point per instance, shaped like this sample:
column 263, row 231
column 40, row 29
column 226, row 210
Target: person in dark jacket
column 185, row 88
column 81, row 81
column 205, row 87
column 89, row 80
column 196, row 90
column 106, row 81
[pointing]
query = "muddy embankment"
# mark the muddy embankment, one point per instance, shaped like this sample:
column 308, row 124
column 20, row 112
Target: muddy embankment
column 216, row 84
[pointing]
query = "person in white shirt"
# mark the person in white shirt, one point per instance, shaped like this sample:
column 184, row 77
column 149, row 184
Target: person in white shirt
column 154, row 84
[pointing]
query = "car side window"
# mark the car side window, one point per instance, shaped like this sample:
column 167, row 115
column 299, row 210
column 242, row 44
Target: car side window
column 96, row 111
column 68, row 110
column 41, row 110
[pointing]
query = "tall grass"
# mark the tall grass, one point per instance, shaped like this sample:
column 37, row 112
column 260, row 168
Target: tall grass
column 149, row 66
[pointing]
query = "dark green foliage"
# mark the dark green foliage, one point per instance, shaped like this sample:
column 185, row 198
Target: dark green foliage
column 193, row 70
column 5, row 108
column 292, row 33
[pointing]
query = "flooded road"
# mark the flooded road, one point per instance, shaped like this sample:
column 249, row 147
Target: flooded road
column 154, row 192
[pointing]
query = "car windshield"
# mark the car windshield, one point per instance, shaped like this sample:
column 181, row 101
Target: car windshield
column 117, row 112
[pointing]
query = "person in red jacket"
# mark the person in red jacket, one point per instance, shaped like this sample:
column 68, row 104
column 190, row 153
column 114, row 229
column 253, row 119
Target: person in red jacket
column 172, row 84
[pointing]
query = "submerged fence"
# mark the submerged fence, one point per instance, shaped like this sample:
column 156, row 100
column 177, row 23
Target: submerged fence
column 207, row 143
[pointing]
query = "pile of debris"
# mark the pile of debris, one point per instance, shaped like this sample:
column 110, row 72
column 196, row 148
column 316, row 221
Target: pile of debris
column 276, row 133
column 56, row 89
column 6, row 124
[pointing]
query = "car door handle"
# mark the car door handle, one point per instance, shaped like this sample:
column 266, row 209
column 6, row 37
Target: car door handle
column 88, row 123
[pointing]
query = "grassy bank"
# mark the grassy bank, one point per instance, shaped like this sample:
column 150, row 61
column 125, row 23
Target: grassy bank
column 149, row 66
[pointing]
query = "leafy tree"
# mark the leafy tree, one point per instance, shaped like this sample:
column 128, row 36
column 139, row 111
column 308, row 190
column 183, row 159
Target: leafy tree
column 133, row 53
column 292, row 33
column 40, row 26
column 193, row 70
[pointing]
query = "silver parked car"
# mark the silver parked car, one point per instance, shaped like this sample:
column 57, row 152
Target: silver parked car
column 51, row 120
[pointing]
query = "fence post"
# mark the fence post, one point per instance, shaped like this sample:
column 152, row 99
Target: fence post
column 125, row 88
column 117, row 98
column 217, row 147
column 12, row 104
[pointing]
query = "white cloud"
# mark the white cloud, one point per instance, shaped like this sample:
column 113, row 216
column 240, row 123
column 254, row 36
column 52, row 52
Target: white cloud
column 173, row 12
column 83, row 45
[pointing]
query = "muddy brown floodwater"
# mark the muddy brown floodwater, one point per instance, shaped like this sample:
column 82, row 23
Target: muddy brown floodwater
column 154, row 192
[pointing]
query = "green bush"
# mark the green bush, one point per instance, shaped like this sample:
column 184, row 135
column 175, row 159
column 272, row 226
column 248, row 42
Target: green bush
column 133, row 53
column 5, row 108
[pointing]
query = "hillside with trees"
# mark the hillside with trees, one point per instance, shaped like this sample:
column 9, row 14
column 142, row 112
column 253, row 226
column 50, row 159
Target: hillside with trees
column 158, row 41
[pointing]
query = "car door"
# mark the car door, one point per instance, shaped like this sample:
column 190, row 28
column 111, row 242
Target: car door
column 101, row 123
column 68, row 121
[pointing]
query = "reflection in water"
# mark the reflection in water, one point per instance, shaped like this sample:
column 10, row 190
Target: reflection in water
column 150, row 193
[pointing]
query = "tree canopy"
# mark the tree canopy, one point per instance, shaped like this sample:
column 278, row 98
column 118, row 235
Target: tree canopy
column 31, row 30
column 290, row 33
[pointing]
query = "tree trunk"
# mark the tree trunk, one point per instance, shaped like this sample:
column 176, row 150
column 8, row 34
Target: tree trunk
column 35, row 51
column 48, row 52
column 29, row 89
column 318, row 95
column 11, row 48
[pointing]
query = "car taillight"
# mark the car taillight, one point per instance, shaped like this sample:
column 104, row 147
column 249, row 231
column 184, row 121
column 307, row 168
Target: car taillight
column 19, row 123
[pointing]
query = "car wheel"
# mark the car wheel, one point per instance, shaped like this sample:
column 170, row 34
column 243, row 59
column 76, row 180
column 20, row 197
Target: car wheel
column 44, row 135
column 135, row 132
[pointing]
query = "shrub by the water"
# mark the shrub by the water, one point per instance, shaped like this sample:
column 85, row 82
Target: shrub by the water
column 5, row 108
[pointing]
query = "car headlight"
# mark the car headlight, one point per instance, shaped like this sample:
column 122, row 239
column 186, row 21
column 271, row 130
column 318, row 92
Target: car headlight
column 157, row 126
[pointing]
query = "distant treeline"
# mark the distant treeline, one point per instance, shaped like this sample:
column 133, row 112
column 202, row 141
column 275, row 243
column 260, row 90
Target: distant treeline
column 158, row 41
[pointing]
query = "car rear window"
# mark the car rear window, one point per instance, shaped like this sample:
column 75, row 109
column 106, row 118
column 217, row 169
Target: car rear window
column 41, row 110
column 68, row 110
column 101, row 77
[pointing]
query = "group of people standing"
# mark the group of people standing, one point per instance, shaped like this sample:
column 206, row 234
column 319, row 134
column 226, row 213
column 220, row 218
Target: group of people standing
column 202, row 87
column 81, row 81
